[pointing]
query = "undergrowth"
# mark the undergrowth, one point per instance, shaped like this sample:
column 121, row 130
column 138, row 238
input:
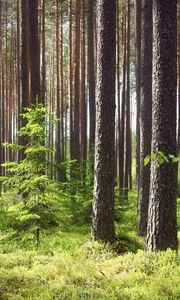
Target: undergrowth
column 69, row 265
column 90, row 272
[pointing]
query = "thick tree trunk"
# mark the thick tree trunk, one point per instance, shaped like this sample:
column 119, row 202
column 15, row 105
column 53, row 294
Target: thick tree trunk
column 145, row 113
column 162, row 223
column 103, row 205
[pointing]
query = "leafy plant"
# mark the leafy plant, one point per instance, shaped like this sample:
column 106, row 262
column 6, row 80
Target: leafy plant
column 32, row 210
column 161, row 158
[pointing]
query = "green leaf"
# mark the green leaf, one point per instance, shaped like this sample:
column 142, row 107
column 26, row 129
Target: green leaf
column 147, row 160
column 161, row 160
column 163, row 156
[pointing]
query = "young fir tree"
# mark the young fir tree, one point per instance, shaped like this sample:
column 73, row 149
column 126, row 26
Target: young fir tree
column 32, row 211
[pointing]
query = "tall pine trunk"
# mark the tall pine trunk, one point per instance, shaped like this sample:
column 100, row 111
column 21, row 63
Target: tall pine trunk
column 138, row 86
column 91, row 76
column 34, row 51
column 162, row 223
column 103, row 205
column 145, row 113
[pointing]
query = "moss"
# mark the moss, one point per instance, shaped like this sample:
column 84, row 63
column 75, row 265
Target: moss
column 91, row 272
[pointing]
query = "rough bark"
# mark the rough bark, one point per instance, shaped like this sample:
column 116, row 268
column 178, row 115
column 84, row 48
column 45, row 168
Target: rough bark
column 145, row 113
column 127, row 169
column 83, row 95
column 91, row 76
column 122, row 123
column 34, row 51
column 1, row 119
column 138, row 87
column 58, row 100
column 18, row 83
column 162, row 223
column 103, row 205
column 71, row 106
column 76, row 135
column 42, row 53
column 24, row 54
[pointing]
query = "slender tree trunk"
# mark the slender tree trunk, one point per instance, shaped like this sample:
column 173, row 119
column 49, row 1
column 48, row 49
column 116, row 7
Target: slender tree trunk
column 145, row 113
column 128, row 127
column 122, row 123
column 24, row 54
column 76, row 135
column 138, row 87
column 62, row 84
column 162, row 222
column 34, row 51
column 103, row 205
column 42, row 54
column 83, row 105
column 58, row 103
column 71, row 108
column 118, row 92
column 18, row 82
column 91, row 76
column 178, row 83
column 1, row 99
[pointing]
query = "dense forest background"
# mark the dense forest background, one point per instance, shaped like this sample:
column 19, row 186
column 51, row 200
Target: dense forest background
column 89, row 145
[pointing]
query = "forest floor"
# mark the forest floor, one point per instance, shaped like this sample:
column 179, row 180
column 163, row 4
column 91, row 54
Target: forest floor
column 68, row 265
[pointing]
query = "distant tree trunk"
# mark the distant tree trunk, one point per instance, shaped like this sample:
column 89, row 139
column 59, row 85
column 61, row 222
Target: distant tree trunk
column 10, row 94
column 127, row 168
column 178, row 50
column 138, row 86
column 58, row 102
column 122, row 123
column 145, row 113
column 42, row 54
column 25, row 67
column 83, row 95
column 103, row 205
column 162, row 222
column 118, row 90
column 34, row 51
column 1, row 106
column 62, row 86
column 24, row 54
column 71, row 106
column 18, row 83
column 91, row 76
column 76, row 135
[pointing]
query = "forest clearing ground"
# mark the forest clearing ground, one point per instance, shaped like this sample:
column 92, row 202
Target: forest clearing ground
column 69, row 266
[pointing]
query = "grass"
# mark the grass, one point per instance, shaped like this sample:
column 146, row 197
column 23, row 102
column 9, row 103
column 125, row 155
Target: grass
column 68, row 265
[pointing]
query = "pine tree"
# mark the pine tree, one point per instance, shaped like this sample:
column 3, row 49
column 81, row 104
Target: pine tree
column 162, row 223
column 103, row 205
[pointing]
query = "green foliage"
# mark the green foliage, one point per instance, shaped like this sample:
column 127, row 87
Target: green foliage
column 68, row 265
column 32, row 211
column 161, row 158
column 34, row 275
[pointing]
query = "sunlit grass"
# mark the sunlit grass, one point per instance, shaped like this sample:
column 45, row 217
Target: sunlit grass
column 69, row 265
